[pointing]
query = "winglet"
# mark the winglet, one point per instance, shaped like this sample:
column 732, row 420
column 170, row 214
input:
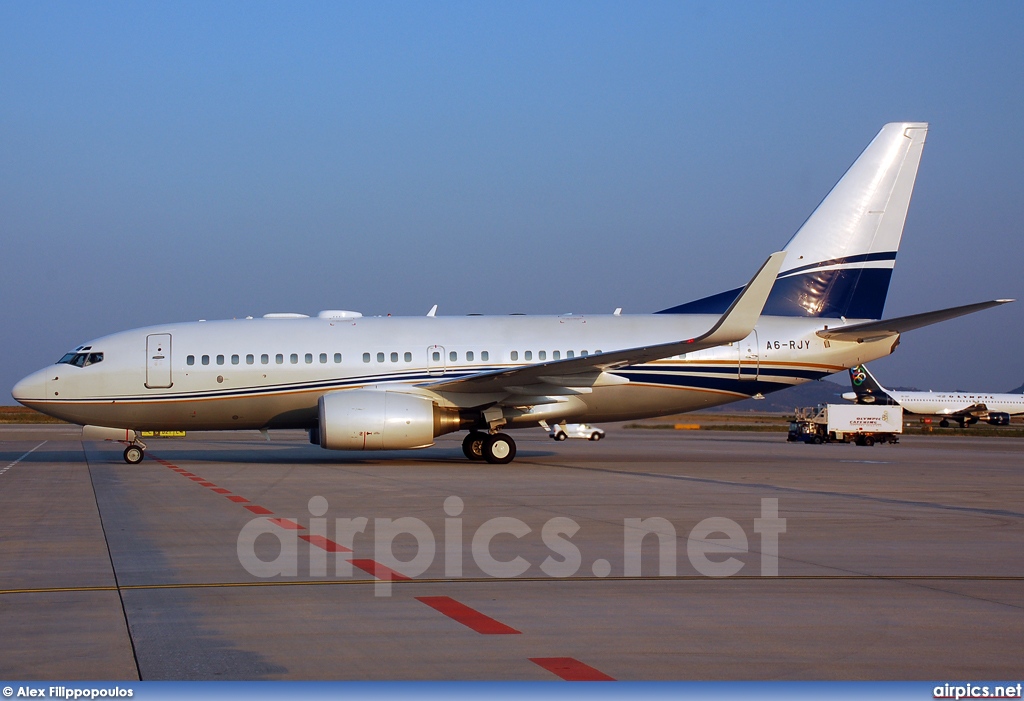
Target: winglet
column 742, row 315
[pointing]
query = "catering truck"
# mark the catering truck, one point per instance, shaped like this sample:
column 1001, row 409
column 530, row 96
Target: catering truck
column 847, row 423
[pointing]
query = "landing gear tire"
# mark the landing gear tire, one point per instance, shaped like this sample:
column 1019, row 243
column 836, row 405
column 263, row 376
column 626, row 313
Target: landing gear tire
column 499, row 449
column 943, row 424
column 473, row 445
column 133, row 454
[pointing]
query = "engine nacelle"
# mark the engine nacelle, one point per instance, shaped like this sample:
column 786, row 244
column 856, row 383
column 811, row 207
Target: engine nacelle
column 372, row 419
column 998, row 418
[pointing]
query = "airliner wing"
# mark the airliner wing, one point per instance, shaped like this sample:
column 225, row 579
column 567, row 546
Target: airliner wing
column 735, row 325
column 977, row 410
column 876, row 330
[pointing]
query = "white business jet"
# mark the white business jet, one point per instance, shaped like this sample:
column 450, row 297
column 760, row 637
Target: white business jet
column 381, row 383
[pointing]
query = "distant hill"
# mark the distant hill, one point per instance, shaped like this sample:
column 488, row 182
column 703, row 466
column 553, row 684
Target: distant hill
column 807, row 394
column 1019, row 390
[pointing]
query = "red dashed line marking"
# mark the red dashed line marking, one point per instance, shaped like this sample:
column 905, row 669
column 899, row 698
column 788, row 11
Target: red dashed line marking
column 283, row 522
column 566, row 668
column 379, row 571
column 571, row 670
column 469, row 617
column 325, row 544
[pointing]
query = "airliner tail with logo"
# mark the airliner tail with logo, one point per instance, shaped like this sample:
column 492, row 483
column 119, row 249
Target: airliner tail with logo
column 372, row 383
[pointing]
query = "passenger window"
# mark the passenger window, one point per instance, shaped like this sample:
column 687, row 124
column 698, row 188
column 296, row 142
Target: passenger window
column 485, row 356
column 542, row 355
column 190, row 360
column 264, row 359
column 220, row 360
column 234, row 359
column 323, row 357
column 309, row 358
column 394, row 357
column 436, row 356
column 250, row 359
column 380, row 357
column 555, row 355
column 469, row 356
column 453, row 356
column 408, row 357
column 279, row 359
column 294, row 358
column 528, row 355
column 206, row 360
column 584, row 354
column 366, row 357
column 337, row 357
column 514, row 355
column 570, row 354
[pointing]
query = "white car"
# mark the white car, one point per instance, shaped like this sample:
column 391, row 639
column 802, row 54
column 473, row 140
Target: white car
column 591, row 433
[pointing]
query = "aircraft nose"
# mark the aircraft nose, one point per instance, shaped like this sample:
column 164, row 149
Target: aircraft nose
column 31, row 387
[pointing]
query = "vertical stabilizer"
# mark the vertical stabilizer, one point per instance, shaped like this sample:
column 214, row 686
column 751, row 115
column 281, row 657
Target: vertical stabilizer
column 840, row 262
column 867, row 389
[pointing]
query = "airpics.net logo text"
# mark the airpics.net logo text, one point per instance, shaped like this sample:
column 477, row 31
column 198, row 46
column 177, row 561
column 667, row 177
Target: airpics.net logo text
column 712, row 545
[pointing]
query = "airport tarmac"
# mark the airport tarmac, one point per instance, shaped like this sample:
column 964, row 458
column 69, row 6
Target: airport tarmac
column 896, row 562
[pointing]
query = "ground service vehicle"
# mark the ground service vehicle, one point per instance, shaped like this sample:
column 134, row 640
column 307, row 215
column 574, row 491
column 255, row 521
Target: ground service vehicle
column 563, row 431
column 842, row 423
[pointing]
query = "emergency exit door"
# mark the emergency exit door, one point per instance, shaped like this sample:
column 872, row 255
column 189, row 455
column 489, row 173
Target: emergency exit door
column 158, row 360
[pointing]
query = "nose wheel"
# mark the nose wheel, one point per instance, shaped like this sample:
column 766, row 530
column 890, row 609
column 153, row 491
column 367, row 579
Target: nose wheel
column 134, row 454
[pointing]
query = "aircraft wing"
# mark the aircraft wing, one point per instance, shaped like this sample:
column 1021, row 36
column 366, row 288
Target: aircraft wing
column 734, row 325
column 876, row 330
column 977, row 410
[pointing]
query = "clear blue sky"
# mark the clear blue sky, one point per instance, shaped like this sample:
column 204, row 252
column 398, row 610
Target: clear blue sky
column 173, row 161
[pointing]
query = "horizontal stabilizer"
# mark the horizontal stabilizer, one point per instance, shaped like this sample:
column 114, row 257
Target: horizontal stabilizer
column 735, row 325
column 875, row 330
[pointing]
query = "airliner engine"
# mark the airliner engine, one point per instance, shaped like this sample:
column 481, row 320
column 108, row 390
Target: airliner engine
column 377, row 419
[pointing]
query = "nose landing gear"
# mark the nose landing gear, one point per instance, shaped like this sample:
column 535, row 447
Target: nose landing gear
column 134, row 453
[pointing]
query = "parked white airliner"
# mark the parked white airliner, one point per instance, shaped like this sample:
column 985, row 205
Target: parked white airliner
column 965, row 408
column 359, row 383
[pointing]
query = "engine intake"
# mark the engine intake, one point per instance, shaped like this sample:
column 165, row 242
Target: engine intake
column 369, row 419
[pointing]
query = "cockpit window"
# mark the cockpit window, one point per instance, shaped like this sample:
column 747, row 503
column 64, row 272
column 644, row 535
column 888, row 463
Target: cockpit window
column 81, row 359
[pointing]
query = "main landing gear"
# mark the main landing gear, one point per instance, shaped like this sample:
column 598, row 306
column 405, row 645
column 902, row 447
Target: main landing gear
column 134, row 453
column 495, row 448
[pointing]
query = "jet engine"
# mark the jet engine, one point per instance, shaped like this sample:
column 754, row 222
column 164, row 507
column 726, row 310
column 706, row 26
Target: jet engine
column 377, row 419
column 998, row 418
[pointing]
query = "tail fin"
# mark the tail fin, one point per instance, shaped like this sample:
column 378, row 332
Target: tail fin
column 867, row 389
column 840, row 262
